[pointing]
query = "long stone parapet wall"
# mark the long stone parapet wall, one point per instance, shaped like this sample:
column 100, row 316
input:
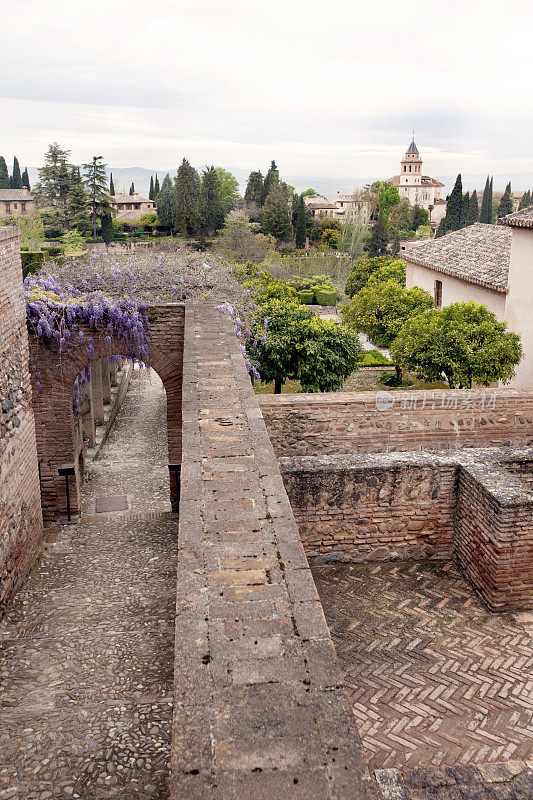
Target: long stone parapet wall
column 370, row 422
column 473, row 507
column 20, row 502
column 260, row 711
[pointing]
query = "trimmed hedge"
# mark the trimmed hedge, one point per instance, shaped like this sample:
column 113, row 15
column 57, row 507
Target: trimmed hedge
column 306, row 296
column 326, row 297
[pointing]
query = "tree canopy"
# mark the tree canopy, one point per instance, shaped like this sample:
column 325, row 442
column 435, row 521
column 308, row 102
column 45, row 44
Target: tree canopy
column 275, row 214
column 210, row 205
column 462, row 341
column 228, row 187
column 187, row 185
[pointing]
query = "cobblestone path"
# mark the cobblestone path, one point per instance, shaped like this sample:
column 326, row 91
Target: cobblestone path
column 434, row 678
column 86, row 649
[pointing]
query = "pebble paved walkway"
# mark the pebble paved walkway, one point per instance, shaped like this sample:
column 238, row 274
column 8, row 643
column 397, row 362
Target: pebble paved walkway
column 434, row 678
column 86, row 649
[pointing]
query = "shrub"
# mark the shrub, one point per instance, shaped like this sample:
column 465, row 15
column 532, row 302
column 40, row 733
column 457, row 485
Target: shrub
column 32, row 261
column 326, row 297
column 373, row 358
column 306, row 296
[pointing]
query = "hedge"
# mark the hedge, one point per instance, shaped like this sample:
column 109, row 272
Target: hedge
column 306, row 296
column 326, row 297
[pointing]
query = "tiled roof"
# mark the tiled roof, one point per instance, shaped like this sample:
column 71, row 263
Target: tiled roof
column 520, row 219
column 12, row 195
column 129, row 198
column 426, row 181
column 413, row 148
column 477, row 254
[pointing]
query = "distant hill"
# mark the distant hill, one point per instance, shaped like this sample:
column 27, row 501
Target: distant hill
column 123, row 177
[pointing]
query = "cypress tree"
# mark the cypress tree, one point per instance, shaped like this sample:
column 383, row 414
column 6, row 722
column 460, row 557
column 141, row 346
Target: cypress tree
column 301, row 223
column 166, row 203
column 485, row 215
column 271, row 179
column 111, row 185
column 26, row 180
column 275, row 214
column 187, row 195
column 151, row 190
column 132, row 189
column 454, row 208
column 379, row 238
column 156, row 186
column 506, row 203
column 106, row 224
column 210, row 204
column 254, row 188
column 473, row 209
column 16, row 178
column 4, row 174
column 525, row 200
column 465, row 209
column 441, row 230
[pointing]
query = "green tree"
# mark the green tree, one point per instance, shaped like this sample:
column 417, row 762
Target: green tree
column 525, row 200
column 78, row 209
column 387, row 196
column 254, row 189
column 156, row 186
column 107, row 231
column 55, row 180
column 132, row 188
column 271, row 180
column 4, row 174
column 300, row 223
column 95, row 181
column 473, row 209
column 151, row 189
column 379, row 237
column 111, row 186
column 239, row 240
column 228, row 187
column 16, row 177
column 187, row 195
column 454, row 209
column 167, row 204
column 363, row 269
column 393, row 270
column 419, row 217
column 309, row 193
column 275, row 214
column 463, row 341
column 330, row 237
column 210, row 204
column 441, row 230
column 380, row 309
column 73, row 241
column 26, row 179
column 289, row 341
column 465, row 209
column 485, row 215
column 506, row 203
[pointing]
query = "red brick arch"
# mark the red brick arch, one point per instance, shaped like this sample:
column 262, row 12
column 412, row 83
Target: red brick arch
column 59, row 444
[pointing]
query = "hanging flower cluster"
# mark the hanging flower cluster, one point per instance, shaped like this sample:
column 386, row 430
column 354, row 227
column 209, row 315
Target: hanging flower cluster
column 237, row 313
column 55, row 315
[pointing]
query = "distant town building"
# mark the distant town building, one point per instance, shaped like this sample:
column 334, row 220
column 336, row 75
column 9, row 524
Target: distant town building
column 344, row 207
column 17, row 203
column 419, row 189
column 131, row 206
column 490, row 264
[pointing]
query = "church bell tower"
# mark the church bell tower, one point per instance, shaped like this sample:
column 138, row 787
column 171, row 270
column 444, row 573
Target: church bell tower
column 411, row 169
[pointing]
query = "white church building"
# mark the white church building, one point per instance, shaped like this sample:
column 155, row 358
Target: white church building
column 418, row 188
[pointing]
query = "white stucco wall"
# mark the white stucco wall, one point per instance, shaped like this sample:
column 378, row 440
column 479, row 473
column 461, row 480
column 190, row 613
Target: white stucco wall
column 519, row 307
column 455, row 290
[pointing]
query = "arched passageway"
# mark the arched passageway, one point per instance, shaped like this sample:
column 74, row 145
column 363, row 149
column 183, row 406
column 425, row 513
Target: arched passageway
column 59, row 440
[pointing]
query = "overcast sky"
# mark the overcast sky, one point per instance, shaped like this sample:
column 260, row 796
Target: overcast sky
column 328, row 89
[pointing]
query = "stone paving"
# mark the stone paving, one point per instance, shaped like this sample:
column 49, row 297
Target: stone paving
column 87, row 647
column 441, row 688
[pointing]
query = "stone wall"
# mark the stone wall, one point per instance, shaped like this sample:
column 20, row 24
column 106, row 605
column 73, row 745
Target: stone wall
column 369, row 422
column 350, row 508
column 20, row 507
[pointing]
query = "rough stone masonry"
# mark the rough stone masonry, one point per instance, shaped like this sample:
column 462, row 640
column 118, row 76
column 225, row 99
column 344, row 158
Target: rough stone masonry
column 20, row 502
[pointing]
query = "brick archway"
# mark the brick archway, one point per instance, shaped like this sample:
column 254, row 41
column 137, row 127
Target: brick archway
column 59, row 443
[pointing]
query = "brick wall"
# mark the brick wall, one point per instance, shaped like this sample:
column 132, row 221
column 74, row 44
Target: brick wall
column 350, row 508
column 494, row 535
column 322, row 424
column 59, row 441
column 20, row 507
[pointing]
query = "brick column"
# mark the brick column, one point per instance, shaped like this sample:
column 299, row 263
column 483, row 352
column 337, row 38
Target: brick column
column 97, row 393
column 106, row 380
column 87, row 413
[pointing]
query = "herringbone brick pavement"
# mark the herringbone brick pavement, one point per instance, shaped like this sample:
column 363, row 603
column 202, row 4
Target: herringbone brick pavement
column 434, row 678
